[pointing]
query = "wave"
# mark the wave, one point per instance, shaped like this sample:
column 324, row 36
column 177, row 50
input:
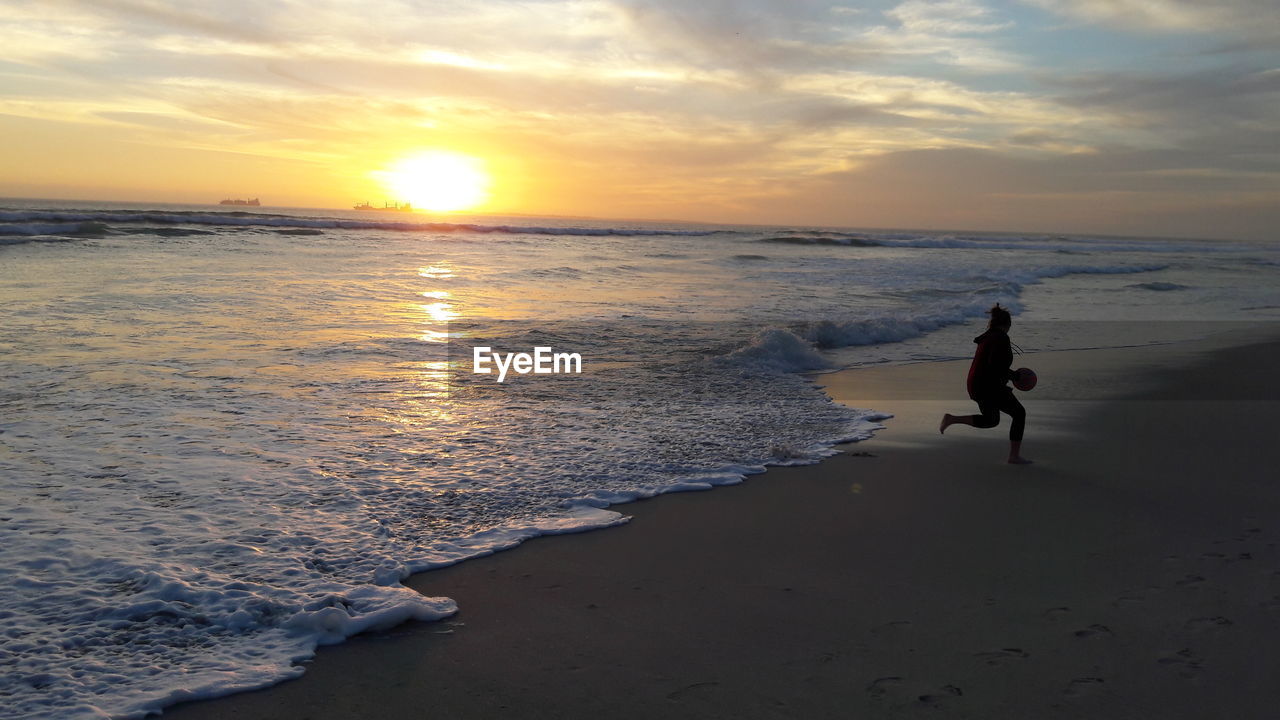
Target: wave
column 1159, row 286
column 42, row 222
column 1063, row 245
column 1036, row 274
column 778, row 349
column 1265, row 262
column 796, row 348
column 12, row 233
column 823, row 239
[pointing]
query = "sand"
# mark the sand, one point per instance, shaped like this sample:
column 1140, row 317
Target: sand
column 1132, row 572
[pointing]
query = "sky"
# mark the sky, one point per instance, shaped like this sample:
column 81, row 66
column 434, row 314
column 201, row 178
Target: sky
column 1134, row 117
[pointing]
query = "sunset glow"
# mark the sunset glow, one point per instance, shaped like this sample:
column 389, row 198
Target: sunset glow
column 1115, row 116
column 438, row 181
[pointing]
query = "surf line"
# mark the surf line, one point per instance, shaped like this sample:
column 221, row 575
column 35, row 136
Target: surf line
column 542, row 361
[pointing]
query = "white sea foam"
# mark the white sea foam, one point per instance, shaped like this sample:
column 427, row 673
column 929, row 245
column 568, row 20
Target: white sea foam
column 779, row 349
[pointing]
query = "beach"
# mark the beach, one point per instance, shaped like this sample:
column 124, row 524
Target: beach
column 1131, row 572
column 573, row 359
column 592, row 359
column 230, row 438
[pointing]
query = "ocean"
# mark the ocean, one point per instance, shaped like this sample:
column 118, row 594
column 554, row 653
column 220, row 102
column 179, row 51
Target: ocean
column 226, row 436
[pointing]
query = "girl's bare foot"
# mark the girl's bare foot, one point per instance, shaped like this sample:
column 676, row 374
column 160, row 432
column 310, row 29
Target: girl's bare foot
column 1018, row 460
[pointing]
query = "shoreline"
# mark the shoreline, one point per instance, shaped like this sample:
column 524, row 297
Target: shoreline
column 874, row 582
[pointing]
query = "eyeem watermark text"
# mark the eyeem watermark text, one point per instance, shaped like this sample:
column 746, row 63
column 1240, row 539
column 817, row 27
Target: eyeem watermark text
column 542, row 361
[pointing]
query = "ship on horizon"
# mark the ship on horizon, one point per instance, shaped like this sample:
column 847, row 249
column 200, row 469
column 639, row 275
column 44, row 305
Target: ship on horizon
column 406, row 207
column 251, row 201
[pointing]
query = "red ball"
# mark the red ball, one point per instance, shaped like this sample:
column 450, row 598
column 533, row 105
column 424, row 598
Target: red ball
column 1025, row 379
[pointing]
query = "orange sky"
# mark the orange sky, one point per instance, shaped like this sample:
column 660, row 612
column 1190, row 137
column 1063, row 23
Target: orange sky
column 1121, row 116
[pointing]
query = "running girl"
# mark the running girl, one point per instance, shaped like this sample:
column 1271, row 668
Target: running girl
column 988, row 375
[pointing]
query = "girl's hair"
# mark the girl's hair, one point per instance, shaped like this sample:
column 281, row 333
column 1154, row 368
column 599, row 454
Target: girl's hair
column 999, row 316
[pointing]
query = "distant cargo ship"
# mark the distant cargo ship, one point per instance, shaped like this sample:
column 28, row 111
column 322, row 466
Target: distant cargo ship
column 251, row 201
column 385, row 206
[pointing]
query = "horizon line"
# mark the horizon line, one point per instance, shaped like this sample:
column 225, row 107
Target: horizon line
column 596, row 218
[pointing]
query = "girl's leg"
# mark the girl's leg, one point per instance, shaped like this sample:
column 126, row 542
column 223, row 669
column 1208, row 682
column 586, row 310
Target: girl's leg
column 1018, row 415
column 989, row 418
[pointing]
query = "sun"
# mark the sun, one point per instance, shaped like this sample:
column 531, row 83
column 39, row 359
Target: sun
column 437, row 180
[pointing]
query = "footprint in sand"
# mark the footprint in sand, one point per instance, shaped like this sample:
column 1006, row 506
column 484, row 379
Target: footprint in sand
column 1225, row 558
column 681, row 692
column 1083, row 686
column 881, row 686
column 1136, row 596
column 894, row 689
column 1249, row 533
column 1094, row 630
column 1054, row 613
column 1206, row 624
column 999, row 657
column 1190, row 581
column 1185, row 661
column 892, row 626
column 946, row 692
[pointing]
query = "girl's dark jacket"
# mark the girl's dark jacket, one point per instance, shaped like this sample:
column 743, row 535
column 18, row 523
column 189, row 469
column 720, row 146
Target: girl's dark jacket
column 990, row 368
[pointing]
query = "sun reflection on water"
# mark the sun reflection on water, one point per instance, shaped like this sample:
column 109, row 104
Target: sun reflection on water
column 439, row 312
column 425, row 404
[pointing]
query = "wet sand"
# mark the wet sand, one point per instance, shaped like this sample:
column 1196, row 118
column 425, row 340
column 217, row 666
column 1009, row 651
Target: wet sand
column 1131, row 572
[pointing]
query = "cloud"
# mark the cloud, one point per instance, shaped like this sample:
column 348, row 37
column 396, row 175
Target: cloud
column 947, row 17
column 756, row 39
column 952, row 32
column 1119, row 191
column 1254, row 20
column 234, row 21
column 1231, row 112
column 722, row 105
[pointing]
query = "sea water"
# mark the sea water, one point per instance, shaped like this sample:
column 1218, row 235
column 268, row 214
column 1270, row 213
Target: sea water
column 227, row 436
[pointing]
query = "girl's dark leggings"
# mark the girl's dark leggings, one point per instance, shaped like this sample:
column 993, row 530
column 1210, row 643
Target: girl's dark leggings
column 991, row 407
